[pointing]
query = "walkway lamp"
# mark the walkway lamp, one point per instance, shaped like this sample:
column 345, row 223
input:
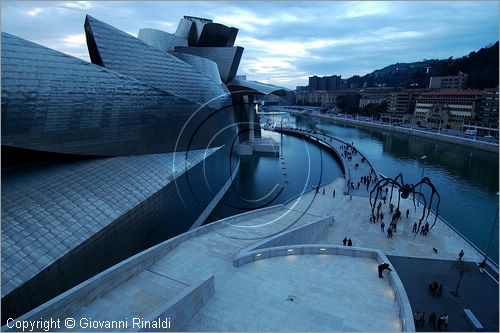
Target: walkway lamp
column 423, row 168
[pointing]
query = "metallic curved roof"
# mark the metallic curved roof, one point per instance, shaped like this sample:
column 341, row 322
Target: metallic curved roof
column 256, row 88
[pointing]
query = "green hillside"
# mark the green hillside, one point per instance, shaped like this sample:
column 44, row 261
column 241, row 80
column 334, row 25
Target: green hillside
column 481, row 66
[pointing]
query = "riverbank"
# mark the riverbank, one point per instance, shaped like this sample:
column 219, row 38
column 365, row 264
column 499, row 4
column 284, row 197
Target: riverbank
column 486, row 146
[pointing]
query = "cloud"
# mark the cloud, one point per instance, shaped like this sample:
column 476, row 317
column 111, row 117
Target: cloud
column 285, row 42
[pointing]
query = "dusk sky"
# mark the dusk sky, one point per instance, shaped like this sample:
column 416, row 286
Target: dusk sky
column 285, row 42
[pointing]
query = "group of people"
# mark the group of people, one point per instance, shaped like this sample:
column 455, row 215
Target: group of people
column 348, row 151
column 347, row 242
column 436, row 289
column 424, row 230
column 440, row 322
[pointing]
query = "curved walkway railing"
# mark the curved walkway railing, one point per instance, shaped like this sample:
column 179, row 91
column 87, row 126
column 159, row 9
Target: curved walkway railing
column 325, row 139
column 405, row 310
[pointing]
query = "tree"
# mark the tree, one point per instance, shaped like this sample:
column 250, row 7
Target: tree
column 462, row 268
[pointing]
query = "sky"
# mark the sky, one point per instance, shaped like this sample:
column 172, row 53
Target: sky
column 285, row 42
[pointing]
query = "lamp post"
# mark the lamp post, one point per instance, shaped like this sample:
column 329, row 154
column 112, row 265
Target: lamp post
column 420, row 186
column 491, row 234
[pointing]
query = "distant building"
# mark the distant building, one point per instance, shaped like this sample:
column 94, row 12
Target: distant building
column 402, row 106
column 447, row 108
column 486, row 119
column 329, row 83
column 322, row 98
column 375, row 95
column 449, row 82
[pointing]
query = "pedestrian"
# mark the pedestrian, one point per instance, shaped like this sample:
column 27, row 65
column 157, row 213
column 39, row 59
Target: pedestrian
column 461, row 255
column 482, row 266
column 383, row 267
column 415, row 227
column 381, row 216
column 422, row 319
column 385, row 199
column 358, row 185
column 382, row 226
column 334, row 193
column 407, row 213
column 432, row 319
column 386, row 190
column 440, row 322
column 440, row 290
column 391, row 208
column 349, row 242
column 389, row 233
column 445, row 321
column 323, row 191
column 344, row 241
column 317, row 189
column 416, row 317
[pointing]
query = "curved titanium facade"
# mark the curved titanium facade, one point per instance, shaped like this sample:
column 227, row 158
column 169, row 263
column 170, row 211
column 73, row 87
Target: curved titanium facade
column 161, row 40
column 111, row 157
column 57, row 103
column 227, row 58
column 204, row 66
column 130, row 56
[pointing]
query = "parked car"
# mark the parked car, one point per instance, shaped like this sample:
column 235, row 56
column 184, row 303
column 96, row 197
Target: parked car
column 470, row 132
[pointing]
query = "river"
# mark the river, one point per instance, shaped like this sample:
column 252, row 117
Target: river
column 467, row 179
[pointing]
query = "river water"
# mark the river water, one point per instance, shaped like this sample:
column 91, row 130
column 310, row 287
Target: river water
column 467, row 179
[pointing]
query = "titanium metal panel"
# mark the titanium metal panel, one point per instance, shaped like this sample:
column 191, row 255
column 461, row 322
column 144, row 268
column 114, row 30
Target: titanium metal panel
column 54, row 102
column 161, row 40
column 126, row 54
column 255, row 88
column 217, row 35
column 205, row 66
column 227, row 58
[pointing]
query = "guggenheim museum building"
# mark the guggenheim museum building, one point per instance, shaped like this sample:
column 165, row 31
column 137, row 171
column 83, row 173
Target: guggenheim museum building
column 102, row 160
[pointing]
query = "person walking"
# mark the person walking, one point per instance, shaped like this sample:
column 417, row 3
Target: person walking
column 382, row 226
column 334, row 193
column 422, row 319
column 445, row 321
column 461, row 255
column 389, row 232
column 416, row 318
column 407, row 213
column 344, row 241
column 432, row 319
column 440, row 290
column 415, row 227
column 323, row 191
column 349, row 242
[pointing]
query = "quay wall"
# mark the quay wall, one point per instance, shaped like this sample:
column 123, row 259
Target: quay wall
column 429, row 135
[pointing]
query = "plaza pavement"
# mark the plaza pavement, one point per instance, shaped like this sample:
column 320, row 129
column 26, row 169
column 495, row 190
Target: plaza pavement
column 329, row 292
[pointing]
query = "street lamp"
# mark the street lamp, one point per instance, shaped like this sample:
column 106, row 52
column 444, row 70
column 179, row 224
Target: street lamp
column 420, row 187
column 492, row 230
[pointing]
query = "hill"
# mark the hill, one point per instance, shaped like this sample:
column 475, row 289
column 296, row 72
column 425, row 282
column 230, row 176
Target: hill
column 481, row 66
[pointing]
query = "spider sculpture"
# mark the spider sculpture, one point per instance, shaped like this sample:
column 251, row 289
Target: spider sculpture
column 404, row 192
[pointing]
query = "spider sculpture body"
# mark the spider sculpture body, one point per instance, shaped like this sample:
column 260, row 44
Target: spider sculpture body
column 404, row 191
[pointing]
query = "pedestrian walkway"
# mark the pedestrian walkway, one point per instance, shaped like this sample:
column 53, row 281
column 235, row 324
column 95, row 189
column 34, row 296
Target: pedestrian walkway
column 357, row 167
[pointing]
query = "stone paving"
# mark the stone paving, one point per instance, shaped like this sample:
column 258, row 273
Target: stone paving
column 331, row 293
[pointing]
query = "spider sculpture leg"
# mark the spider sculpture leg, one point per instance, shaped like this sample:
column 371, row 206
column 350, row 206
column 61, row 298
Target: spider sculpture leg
column 428, row 182
column 399, row 199
column 423, row 212
column 392, row 189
